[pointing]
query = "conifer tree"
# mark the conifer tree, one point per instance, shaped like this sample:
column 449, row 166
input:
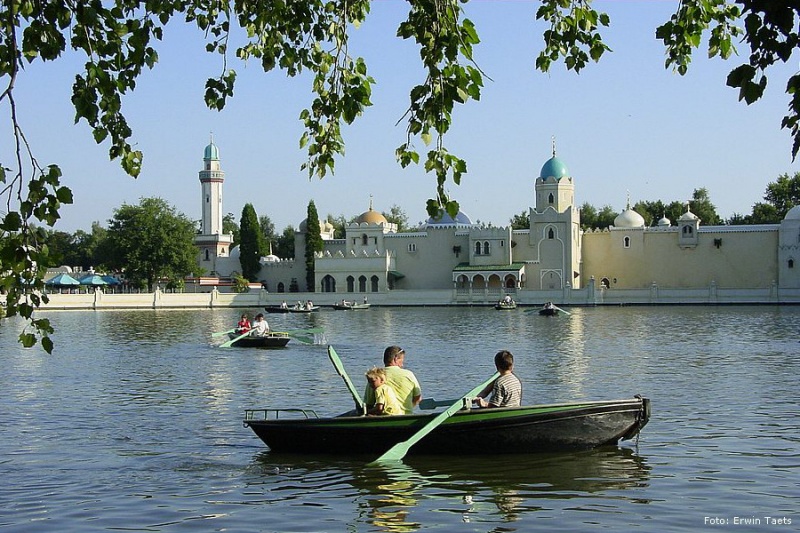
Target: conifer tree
column 313, row 243
column 251, row 246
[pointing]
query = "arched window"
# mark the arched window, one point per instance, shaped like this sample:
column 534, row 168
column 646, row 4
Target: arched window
column 328, row 284
column 281, row 287
column 626, row 242
column 551, row 199
column 412, row 247
column 791, row 263
column 486, row 248
column 362, row 284
column 364, row 239
column 604, row 283
column 687, row 230
column 551, row 234
column 208, row 255
column 374, row 283
column 351, row 284
column 477, row 248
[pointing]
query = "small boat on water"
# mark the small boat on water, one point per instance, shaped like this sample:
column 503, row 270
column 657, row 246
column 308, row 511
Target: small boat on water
column 304, row 309
column 505, row 305
column 522, row 430
column 271, row 340
column 549, row 309
column 347, row 306
column 276, row 309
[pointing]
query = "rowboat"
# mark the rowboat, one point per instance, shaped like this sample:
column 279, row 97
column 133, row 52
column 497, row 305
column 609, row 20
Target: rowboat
column 271, row 340
column 347, row 306
column 510, row 430
column 303, row 309
column 548, row 311
column 505, row 305
column 276, row 309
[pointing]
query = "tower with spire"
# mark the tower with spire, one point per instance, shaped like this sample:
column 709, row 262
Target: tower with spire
column 554, row 229
column 212, row 242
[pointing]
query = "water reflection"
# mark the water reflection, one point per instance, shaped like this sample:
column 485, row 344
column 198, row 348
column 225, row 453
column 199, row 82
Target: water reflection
column 477, row 488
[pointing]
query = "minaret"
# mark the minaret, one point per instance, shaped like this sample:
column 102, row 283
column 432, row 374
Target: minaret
column 211, row 242
column 211, row 178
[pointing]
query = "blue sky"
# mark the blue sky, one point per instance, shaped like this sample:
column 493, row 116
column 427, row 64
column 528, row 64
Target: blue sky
column 625, row 126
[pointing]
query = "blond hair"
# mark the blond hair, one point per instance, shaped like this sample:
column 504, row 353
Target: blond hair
column 376, row 372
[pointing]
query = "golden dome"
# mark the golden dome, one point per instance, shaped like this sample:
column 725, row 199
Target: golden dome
column 372, row 217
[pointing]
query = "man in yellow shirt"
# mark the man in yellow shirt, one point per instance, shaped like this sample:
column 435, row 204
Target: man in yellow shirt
column 402, row 381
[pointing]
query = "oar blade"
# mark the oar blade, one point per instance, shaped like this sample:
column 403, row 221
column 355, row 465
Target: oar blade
column 221, row 333
column 233, row 340
column 399, row 450
column 337, row 364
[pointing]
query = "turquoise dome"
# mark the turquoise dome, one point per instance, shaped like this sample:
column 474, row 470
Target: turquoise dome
column 212, row 152
column 554, row 167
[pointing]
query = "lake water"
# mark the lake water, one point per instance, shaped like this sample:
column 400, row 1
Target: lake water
column 135, row 423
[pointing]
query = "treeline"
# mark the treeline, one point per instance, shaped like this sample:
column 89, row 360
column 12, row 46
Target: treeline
column 780, row 196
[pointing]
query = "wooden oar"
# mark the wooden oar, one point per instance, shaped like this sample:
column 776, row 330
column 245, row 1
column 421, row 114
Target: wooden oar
column 399, row 450
column 230, row 342
column 337, row 364
column 565, row 312
column 220, row 333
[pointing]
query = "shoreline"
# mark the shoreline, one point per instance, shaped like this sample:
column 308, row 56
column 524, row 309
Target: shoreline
column 429, row 298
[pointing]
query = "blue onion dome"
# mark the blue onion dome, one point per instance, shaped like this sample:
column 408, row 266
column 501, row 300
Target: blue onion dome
column 444, row 219
column 554, row 168
column 212, row 152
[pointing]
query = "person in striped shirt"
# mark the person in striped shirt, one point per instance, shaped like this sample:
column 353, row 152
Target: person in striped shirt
column 505, row 391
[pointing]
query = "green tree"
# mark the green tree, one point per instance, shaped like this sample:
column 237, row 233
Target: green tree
column 702, row 207
column 118, row 39
column 229, row 226
column 339, row 225
column 784, row 193
column 521, row 221
column 151, row 242
column 591, row 218
column 252, row 246
column 313, row 243
column 285, row 244
column 397, row 216
column 268, row 231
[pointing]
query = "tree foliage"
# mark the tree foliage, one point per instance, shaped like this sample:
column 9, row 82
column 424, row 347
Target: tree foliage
column 118, row 40
column 591, row 218
column 781, row 195
column 252, row 245
column 521, row 221
column 313, row 243
column 151, row 242
column 284, row 246
column 229, row 226
column 398, row 216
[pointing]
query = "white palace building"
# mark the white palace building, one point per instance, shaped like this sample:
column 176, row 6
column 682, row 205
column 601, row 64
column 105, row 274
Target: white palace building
column 453, row 261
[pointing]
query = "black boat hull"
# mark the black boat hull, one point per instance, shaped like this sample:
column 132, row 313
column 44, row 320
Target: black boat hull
column 270, row 341
column 534, row 429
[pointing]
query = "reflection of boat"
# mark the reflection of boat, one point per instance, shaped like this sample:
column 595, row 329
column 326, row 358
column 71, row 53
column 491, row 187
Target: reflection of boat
column 503, row 304
column 271, row 340
column 530, row 429
column 346, row 306
column 461, row 488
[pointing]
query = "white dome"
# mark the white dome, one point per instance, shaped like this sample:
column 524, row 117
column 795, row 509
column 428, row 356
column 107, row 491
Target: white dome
column 688, row 215
column 234, row 252
column 629, row 219
column 664, row 221
column 793, row 214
